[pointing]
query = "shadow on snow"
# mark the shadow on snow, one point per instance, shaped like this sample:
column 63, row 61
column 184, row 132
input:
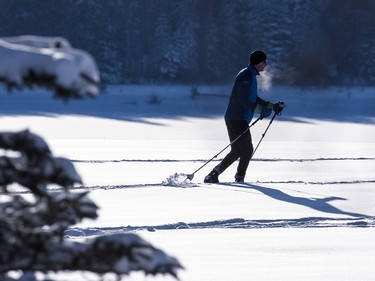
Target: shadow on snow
column 139, row 103
column 318, row 204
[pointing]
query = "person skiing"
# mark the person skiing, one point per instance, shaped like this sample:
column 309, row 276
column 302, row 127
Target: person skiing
column 243, row 103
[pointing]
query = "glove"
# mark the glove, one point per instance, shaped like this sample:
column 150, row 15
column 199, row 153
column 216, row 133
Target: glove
column 265, row 112
column 278, row 107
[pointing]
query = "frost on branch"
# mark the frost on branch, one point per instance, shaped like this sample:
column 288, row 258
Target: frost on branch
column 32, row 230
column 49, row 62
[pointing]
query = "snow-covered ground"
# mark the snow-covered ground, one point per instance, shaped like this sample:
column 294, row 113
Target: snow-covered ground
column 306, row 212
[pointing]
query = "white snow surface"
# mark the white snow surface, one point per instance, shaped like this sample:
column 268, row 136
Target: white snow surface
column 306, row 211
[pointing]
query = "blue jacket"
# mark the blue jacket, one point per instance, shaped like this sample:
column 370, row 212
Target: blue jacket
column 244, row 100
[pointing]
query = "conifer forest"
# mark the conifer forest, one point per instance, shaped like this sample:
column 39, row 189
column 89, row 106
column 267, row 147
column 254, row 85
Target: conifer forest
column 308, row 42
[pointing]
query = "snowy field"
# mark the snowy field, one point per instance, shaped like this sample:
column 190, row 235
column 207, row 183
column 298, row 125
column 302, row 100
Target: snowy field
column 307, row 210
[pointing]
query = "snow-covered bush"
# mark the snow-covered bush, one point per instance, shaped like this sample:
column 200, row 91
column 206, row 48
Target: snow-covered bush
column 32, row 228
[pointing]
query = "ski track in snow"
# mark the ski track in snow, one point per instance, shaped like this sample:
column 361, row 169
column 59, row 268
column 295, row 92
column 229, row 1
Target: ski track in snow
column 239, row 223
column 188, row 185
column 192, row 185
column 217, row 160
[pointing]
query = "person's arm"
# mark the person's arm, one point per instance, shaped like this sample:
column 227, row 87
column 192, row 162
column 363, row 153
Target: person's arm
column 264, row 108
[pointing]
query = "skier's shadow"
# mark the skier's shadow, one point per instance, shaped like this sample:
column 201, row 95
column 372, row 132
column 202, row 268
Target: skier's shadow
column 319, row 204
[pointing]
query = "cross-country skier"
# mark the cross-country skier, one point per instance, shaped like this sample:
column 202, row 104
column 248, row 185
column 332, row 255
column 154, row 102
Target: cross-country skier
column 243, row 103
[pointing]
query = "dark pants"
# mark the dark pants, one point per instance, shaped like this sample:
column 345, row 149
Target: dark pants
column 242, row 148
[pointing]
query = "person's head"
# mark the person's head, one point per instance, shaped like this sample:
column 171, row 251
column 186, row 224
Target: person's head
column 258, row 59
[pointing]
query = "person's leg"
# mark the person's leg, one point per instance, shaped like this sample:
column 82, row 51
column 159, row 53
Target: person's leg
column 245, row 148
column 234, row 128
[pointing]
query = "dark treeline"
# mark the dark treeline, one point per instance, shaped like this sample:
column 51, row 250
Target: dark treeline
column 309, row 42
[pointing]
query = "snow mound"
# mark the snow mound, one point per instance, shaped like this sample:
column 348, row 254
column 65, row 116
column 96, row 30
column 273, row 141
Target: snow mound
column 178, row 180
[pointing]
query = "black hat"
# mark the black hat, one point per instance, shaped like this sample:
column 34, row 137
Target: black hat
column 257, row 57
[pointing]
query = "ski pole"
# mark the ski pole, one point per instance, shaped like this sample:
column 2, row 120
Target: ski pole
column 282, row 106
column 191, row 176
column 273, row 117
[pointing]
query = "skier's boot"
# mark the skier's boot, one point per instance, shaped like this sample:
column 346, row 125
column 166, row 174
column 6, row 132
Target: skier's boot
column 239, row 178
column 213, row 176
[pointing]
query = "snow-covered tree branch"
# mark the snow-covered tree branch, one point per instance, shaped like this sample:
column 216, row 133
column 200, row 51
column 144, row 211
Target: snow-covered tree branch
column 32, row 229
column 50, row 62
